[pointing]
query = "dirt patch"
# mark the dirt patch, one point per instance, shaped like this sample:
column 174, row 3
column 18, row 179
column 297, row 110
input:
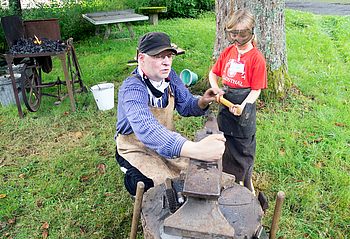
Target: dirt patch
column 320, row 8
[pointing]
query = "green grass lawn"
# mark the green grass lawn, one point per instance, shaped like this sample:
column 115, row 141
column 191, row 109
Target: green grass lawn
column 57, row 169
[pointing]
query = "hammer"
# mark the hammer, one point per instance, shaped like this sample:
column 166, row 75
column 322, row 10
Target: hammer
column 227, row 103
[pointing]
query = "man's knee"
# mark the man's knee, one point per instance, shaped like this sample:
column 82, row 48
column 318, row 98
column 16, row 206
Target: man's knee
column 132, row 177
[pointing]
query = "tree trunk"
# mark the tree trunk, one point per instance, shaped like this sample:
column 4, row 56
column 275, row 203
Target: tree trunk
column 15, row 5
column 223, row 9
column 271, row 38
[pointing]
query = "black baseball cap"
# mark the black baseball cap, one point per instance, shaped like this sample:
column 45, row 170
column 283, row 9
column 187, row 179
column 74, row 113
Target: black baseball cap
column 153, row 43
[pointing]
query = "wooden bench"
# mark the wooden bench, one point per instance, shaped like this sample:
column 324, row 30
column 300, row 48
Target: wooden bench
column 114, row 17
column 152, row 12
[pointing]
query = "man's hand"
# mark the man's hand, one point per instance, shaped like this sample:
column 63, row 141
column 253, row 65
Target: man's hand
column 208, row 149
column 208, row 97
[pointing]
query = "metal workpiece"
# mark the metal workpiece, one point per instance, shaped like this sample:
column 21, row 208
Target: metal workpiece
column 199, row 218
column 210, row 127
column 202, row 180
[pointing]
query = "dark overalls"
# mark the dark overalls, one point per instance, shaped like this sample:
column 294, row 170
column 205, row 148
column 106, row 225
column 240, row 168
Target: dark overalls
column 239, row 131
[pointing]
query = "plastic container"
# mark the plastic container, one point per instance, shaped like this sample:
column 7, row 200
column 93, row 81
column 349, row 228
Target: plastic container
column 104, row 95
column 7, row 97
column 188, row 77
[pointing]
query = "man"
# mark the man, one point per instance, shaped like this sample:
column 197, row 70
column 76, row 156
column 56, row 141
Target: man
column 148, row 149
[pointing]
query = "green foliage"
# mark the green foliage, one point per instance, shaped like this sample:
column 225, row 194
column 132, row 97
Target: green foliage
column 178, row 8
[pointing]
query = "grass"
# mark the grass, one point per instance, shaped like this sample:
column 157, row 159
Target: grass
column 58, row 172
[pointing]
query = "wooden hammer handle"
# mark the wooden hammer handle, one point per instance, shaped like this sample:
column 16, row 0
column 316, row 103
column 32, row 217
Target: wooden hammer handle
column 227, row 103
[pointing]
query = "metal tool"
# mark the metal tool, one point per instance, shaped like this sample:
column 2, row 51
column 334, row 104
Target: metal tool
column 170, row 195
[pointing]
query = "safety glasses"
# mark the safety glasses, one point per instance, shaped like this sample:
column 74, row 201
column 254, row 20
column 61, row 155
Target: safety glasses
column 240, row 37
column 240, row 33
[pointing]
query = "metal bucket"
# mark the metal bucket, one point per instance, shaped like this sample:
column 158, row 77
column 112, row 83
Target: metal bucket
column 7, row 96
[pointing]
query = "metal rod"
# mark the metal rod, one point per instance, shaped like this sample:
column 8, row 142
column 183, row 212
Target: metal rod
column 9, row 61
column 277, row 214
column 68, row 81
column 137, row 209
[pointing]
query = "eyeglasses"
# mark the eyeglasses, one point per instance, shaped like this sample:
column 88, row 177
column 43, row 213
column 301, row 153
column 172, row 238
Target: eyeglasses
column 241, row 33
column 161, row 56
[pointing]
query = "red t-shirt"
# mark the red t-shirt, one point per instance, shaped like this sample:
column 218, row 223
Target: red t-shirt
column 245, row 71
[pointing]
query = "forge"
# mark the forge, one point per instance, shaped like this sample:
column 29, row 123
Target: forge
column 32, row 43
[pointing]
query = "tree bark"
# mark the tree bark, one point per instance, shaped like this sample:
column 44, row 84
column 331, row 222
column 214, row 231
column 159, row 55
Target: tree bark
column 271, row 38
column 223, row 9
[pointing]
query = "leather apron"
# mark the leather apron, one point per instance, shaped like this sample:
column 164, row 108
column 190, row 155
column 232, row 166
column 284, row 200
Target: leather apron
column 242, row 126
column 149, row 162
column 239, row 131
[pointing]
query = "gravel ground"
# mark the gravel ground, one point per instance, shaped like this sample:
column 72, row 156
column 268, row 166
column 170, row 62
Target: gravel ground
column 321, row 8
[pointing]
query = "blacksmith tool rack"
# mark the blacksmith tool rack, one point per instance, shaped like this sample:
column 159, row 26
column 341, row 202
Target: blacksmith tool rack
column 33, row 43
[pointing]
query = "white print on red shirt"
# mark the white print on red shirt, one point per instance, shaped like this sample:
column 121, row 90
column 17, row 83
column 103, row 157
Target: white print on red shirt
column 234, row 72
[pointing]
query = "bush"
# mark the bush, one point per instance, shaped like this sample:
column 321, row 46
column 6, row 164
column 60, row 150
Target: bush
column 176, row 8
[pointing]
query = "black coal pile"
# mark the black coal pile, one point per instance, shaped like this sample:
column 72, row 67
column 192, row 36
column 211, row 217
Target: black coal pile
column 27, row 46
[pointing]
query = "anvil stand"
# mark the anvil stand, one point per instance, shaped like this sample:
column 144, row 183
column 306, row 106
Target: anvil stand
column 61, row 55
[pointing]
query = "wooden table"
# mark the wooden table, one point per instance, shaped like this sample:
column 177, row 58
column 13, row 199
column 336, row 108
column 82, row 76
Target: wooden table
column 153, row 12
column 115, row 17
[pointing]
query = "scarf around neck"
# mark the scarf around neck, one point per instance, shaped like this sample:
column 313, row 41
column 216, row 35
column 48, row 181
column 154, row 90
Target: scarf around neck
column 155, row 89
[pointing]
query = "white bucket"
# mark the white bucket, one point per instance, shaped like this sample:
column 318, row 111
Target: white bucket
column 104, row 95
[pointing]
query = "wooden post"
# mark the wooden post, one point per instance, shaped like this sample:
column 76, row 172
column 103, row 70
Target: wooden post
column 68, row 81
column 137, row 209
column 129, row 26
column 108, row 31
column 153, row 19
column 277, row 214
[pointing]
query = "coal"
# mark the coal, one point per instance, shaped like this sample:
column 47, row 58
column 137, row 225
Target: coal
column 27, row 46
